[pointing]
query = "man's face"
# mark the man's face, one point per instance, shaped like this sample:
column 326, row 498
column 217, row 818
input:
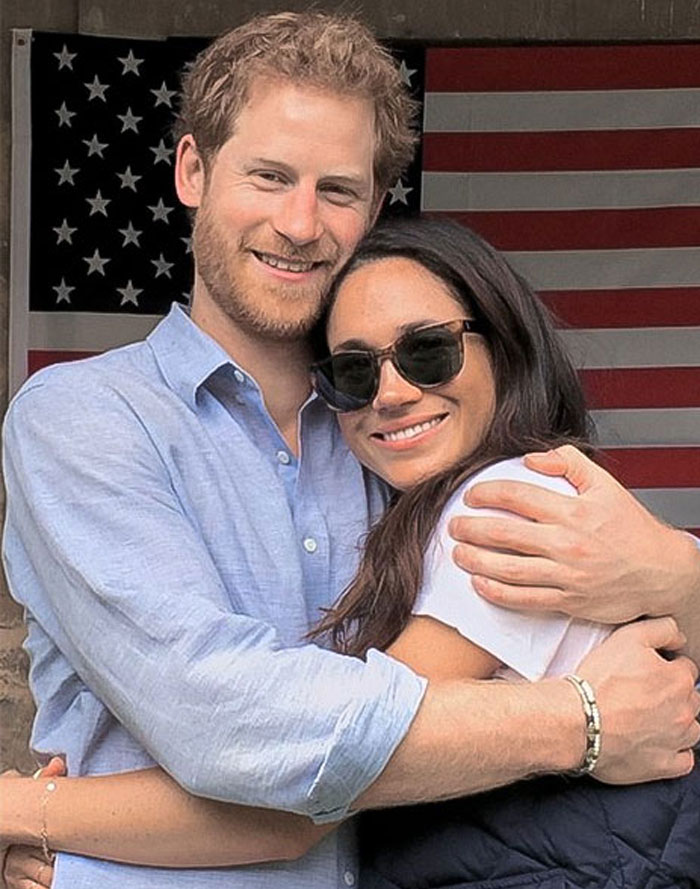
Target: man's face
column 282, row 205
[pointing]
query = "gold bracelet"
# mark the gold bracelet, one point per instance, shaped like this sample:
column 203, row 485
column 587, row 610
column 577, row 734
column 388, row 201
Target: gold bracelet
column 49, row 788
column 591, row 711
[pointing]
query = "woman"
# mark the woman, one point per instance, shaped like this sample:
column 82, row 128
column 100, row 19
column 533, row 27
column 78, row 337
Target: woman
column 444, row 368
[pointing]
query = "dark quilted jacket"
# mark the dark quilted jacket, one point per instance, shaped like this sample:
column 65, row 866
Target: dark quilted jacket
column 549, row 833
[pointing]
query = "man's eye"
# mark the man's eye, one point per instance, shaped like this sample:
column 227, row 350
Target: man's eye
column 340, row 194
column 269, row 176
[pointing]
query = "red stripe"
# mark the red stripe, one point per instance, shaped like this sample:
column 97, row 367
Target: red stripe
column 38, row 358
column 642, row 387
column 695, row 531
column 570, row 150
column 654, row 467
column 663, row 307
column 480, row 69
column 584, row 229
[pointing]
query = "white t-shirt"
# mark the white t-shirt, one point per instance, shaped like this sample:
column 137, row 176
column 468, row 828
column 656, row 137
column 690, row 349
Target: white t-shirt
column 529, row 645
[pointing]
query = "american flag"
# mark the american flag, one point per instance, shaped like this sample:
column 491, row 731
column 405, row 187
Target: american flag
column 582, row 163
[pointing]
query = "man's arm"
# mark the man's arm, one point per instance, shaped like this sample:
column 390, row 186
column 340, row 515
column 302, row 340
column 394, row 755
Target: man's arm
column 600, row 556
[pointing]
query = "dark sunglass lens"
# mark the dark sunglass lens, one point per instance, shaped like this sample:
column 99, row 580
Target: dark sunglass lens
column 347, row 381
column 430, row 357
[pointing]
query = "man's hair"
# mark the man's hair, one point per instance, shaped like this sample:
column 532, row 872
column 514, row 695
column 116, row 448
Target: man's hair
column 332, row 52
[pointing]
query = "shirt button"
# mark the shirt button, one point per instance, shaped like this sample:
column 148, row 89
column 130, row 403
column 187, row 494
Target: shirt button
column 283, row 457
column 240, row 378
column 349, row 878
column 311, row 546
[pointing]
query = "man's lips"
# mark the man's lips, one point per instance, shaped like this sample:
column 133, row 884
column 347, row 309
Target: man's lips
column 288, row 264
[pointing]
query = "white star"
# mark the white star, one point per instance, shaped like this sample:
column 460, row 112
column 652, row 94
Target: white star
column 65, row 58
column 98, row 204
column 162, row 266
column 130, row 63
column 188, row 244
column 62, row 292
column 97, row 90
column 129, row 121
column 160, row 211
column 95, row 146
column 398, row 193
column 129, row 294
column 405, row 73
column 129, row 179
column 163, row 95
column 65, row 232
column 162, row 153
column 95, row 263
column 64, row 115
column 66, row 173
column 131, row 235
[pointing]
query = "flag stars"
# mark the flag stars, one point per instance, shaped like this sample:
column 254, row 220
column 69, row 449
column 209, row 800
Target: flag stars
column 129, row 294
column 66, row 173
column 188, row 244
column 130, row 64
column 65, row 58
column 98, row 204
column 96, row 89
column 162, row 266
column 94, row 146
column 64, row 115
column 129, row 121
column 129, row 179
column 399, row 193
column 63, row 292
column 96, row 263
column 162, row 153
column 406, row 73
column 65, row 233
column 163, row 95
column 160, row 211
column 131, row 235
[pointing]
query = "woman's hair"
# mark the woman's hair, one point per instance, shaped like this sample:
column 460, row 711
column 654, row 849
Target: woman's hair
column 319, row 49
column 538, row 404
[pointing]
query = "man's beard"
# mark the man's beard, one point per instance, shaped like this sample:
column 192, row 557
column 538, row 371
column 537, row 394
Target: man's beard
column 225, row 283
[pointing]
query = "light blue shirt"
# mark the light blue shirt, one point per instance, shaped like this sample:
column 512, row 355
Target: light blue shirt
column 172, row 553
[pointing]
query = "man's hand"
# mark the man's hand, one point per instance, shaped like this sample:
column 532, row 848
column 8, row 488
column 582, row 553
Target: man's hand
column 600, row 556
column 648, row 704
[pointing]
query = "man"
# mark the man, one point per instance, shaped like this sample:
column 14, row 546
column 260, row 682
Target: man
column 179, row 511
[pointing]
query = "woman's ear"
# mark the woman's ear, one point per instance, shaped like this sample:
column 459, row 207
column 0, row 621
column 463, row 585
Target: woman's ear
column 189, row 172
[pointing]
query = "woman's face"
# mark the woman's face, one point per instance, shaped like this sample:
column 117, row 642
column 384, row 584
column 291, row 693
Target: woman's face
column 408, row 433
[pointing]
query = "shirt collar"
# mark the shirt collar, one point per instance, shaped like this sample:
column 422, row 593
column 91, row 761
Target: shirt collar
column 186, row 355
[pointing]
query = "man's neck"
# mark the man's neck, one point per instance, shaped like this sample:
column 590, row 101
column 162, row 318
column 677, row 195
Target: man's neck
column 280, row 367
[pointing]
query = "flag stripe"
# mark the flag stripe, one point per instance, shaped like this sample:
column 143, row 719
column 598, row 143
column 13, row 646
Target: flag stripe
column 634, row 347
column 679, row 506
column 517, row 112
column 626, row 308
column 562, row 67
column 609, row 269
column 87, row 331
column 573, row 150
column 627, row 189
column 655, row 467
column 640, row 387
column 584, row 229
column 38, row 358
column 644, row 427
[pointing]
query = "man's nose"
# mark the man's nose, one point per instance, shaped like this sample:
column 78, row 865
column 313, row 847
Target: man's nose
column 394, row 390
column 298, row 217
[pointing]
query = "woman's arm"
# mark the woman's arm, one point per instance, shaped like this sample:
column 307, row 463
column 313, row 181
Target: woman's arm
column 144, row 817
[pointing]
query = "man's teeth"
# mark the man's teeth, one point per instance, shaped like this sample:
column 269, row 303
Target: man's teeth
column 286, row 265
column 411, row 431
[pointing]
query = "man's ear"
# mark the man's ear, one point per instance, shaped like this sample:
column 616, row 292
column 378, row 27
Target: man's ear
column 189, row 172
column 377, row 205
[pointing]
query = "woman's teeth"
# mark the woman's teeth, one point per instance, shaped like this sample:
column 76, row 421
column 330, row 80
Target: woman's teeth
column 411, row 431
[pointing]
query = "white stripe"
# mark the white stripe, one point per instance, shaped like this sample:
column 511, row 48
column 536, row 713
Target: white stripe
column 500, row 112
column 87, row 331
column 608, row 269
column 20, row 207
column 635, row 426
column 634, row 347
column 594, row 190
column 679, row 506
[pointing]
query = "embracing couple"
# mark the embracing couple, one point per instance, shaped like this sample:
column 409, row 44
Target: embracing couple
column 249, row 616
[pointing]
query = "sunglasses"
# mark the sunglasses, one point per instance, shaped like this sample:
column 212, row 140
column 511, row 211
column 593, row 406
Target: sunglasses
column 427, row 357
